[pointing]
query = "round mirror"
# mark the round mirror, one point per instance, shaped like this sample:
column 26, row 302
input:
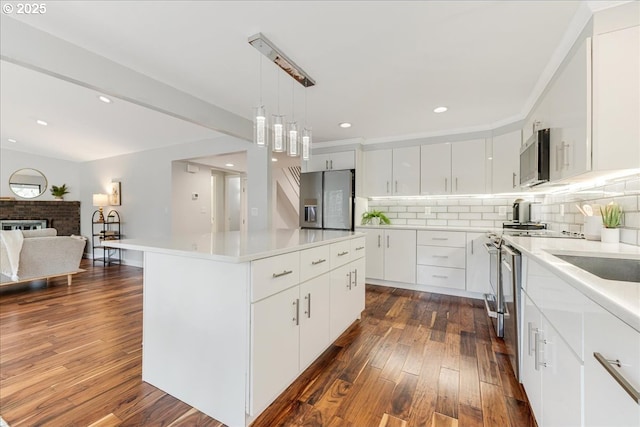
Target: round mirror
column 28, row 183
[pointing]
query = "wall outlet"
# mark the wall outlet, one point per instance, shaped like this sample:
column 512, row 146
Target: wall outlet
column 427, row 210
column 502, row 210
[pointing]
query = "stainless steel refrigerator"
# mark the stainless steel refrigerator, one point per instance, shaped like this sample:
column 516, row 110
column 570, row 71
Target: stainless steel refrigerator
column 327, row 199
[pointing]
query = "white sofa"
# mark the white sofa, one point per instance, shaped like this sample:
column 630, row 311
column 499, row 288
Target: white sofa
column 43, row 255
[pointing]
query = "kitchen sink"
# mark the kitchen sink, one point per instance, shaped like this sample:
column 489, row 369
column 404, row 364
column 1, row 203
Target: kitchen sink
column 626, row 270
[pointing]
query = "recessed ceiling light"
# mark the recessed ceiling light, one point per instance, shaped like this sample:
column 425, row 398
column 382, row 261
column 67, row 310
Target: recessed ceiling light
column 440, row 109
column 229, row 165
column 41, row 122
column 273, row 159
column 12, row 140
column 104, row 99
column 345, row 125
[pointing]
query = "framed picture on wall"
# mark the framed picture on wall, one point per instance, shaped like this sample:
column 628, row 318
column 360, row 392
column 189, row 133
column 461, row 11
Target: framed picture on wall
column 114, row 194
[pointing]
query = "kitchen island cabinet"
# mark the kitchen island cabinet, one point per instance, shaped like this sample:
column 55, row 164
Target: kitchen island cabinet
column 231, row 319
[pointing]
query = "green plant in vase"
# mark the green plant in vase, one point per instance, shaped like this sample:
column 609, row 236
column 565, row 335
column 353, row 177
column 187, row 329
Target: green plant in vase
column 611, row 215
column 375, row 217
column 59, row 192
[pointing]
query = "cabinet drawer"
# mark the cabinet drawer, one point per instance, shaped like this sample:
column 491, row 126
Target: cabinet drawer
column 441, row 276
column 314, row 262
column 455, row 239
column 274, row 274
column 357, row 248
column 340, row 253
column 438, row 256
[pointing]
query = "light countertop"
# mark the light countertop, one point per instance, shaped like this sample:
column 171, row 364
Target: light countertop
column 620, row 298
column 235, row 246
column 429, row 227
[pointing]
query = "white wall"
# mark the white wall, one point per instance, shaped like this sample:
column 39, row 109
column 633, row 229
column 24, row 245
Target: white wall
column 56, row 171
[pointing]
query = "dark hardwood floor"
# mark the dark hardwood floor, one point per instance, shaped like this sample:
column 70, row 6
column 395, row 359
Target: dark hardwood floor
column 72, row 357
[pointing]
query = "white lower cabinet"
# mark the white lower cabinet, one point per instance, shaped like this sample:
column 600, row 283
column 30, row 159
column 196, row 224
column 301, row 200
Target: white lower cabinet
column 477, row 263
column 441, row 259
column 391, row 254
column 275, row 346
column 606, row 402
column 293, row 322
column 551, row 372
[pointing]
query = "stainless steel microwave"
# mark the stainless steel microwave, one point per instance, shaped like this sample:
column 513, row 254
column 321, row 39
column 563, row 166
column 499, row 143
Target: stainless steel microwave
column 534, row 159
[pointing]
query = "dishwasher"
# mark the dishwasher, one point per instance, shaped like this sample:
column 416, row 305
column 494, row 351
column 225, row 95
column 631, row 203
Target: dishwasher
column 511, row 281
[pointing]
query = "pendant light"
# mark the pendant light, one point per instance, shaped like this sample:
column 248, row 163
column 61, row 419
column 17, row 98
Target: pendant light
column 260, row 119
column 292, row 129
column 306, row 132
column 277, row 124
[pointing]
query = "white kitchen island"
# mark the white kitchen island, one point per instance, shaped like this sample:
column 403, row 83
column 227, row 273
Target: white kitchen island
column 231, row 319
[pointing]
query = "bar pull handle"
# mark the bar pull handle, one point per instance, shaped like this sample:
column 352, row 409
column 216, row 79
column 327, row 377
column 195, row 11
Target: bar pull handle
column 396, row 185
column 439, row 238
column 387, row 241
column 284, row 273
column 440, row 256
column 387, row 186
column 331, row 163
column 438, row 276
column 513, row 180
column 539, row 349
column 349, row 281
column 343, row 253
column 326, row 164
column 456, row 183
column 472, row 247
column 359, row 248
column 608, row 366
column 379, row 237
column 532, row 343
column 445, row 185
column 320, row 261
column 565, row 154
column 308, row 312
column 355, row 280
column 296, row 319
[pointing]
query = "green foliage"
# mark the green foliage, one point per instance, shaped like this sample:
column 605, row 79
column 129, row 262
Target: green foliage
column 59, row 191
column 368, row 216
column 611, row 215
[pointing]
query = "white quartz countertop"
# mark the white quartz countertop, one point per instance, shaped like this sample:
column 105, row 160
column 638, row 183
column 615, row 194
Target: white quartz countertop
column 235, row 246
column 429, row 227
column 620, row 298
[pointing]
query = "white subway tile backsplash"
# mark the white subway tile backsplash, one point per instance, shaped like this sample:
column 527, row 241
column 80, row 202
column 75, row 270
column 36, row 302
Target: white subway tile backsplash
column 629, row 236
column 448, row 202
column 418, row 222
column 447, row 216
column 458, row 209
column 458, row 223
column 417, row 209
column 631, row 220
column 399, row 222
column 481, row 223
column 407, row 215
column 436, row 222
column 397, row 209
column 482, row 208
column 470, row 215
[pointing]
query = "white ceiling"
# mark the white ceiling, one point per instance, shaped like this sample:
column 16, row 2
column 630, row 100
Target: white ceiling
column 382, row 65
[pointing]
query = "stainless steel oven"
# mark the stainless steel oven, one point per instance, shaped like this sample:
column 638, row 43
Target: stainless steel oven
column 511, row 279
column 493, row 301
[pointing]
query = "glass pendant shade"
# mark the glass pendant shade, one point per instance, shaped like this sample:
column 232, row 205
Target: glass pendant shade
column 293, row 150
column 306, row 144
column 260, row 127
column 278, row 141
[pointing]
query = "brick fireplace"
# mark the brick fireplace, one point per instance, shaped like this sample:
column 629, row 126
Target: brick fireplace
column 61, row 215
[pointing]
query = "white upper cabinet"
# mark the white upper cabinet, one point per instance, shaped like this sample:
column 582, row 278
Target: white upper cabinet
column 435, row 161
column 505, row 163
column 616, row 99
column 453, row 168
column 468, row 161
column 330, row 161
column 392, row 172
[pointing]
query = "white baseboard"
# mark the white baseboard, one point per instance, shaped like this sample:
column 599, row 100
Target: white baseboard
column 425, row 288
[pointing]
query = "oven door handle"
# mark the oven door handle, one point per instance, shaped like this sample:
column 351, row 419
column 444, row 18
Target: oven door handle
column 490, row 313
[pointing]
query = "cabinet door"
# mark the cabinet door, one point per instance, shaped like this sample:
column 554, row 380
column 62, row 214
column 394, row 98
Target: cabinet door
column 561, row 380
column 606, row 402
column 375, row 253
column 505, row 162
column 435, row 169
column 468, row 165
column 358, row 289
column 317, row 162
column 342, row 160
column 400, row 255
column 477, row 263
column 314, row 318
column 341, row 306
column 531, row 375
column 406, row 171
column 616, row 103
column 378, row 172
column 274, row 346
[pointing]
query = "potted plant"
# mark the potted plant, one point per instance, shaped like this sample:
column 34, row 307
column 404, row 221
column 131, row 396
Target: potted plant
column 375, row 217
column 59, row 192
column 611, row 216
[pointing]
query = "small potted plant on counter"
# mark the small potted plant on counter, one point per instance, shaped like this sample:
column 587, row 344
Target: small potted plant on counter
column 59, row 192
column 611, row 217
column 374, row 217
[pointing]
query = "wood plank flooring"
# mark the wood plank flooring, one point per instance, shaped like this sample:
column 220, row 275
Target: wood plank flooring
column 72, row 357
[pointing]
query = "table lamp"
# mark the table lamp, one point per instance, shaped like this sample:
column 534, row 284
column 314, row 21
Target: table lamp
column 99, row 201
